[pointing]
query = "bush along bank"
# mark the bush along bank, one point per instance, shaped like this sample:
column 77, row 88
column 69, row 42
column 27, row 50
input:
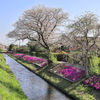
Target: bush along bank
column 9, row 86
column 77, row 90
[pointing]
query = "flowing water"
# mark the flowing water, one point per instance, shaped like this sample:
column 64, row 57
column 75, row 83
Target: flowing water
column 33, row 86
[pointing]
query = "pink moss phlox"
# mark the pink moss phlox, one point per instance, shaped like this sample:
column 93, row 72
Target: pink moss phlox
column 71, row 72
column 94, row 82
column 43, row 63
column 29, row 58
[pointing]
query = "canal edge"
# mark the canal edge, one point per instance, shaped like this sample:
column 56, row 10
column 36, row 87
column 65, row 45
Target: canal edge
column 58, row 88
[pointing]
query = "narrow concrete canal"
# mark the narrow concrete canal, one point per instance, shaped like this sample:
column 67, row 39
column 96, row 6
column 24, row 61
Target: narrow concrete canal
column 33, row 86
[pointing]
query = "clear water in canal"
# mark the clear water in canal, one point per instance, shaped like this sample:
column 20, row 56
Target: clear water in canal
column 33, row 86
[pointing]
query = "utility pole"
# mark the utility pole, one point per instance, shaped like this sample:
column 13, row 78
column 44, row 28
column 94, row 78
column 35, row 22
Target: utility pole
column 19, row 42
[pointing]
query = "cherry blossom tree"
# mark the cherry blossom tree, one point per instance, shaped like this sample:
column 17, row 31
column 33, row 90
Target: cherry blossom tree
column 82, row 28
column 39, row 24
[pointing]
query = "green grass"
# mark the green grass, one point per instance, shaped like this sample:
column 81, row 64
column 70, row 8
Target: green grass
column 9, row 86
column 77, row 90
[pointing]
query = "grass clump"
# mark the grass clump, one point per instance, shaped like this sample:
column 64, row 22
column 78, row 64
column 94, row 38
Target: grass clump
column 9, row 86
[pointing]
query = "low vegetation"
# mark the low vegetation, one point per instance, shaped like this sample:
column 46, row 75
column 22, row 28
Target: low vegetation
column 78, row 90
column 9, row 86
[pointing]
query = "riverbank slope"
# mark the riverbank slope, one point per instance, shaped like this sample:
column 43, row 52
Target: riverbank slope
column 9, row 86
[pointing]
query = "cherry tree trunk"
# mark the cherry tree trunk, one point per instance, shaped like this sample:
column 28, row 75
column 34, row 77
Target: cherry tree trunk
column 86, row 66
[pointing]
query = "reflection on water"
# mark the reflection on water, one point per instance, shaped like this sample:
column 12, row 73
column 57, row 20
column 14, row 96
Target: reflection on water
column 33, row 86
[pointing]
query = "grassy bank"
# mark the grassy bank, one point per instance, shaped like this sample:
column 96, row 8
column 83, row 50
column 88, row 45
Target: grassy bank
column 9, row 86
column 77, row 90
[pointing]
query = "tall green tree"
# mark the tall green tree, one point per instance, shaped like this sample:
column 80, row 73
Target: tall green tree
column 33, row 46
column 11, row 47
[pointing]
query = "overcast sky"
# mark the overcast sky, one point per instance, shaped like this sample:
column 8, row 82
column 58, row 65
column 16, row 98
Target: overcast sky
column 11, row 10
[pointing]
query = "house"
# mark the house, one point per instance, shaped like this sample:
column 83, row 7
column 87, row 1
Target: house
column 3, row 47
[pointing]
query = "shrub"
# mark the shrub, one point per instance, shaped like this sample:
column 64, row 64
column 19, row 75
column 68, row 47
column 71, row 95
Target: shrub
column 33, row 53
column 43, row 55
column 50, row 56
column 74, row 57
column 59, row 57
column 10, row 47
column 41, row 49
column 23, row 49
column 53, row 57
column 65, row 57
column 94, row 65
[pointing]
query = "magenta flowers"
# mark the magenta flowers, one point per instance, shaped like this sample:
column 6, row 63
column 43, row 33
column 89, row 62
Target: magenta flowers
column 69, row 72
column 18, row 55
column 9, row 52
column 39, row 61
column 93, row 82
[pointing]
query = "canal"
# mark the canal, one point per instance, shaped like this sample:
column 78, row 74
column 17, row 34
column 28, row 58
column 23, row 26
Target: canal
column 33, row 86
